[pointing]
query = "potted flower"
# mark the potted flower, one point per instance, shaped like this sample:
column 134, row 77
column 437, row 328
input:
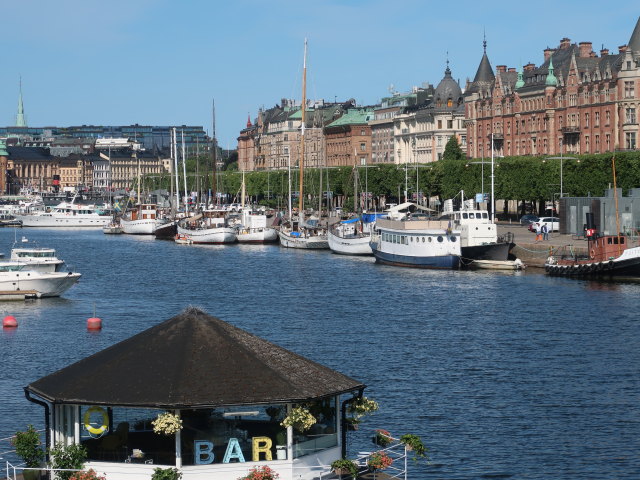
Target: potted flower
column 299, row 418
column 382, row 438
column 166, row 474
column 379, row 461
column 167, row 423
column 362, row 406
column 344, row 466
column 414, row 443
column 87, row 475
column 29, row 448
column 261, row 473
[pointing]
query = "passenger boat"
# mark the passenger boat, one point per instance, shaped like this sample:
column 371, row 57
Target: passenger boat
column 478, row 234
column 208, row 227
column 16, row 277
column 352, row 237
column 66, row 214
column 416, row 243
column 140, row 221
column 37, row 259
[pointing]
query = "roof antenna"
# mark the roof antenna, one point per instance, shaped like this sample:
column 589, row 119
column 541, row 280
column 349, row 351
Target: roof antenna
column 484, row 40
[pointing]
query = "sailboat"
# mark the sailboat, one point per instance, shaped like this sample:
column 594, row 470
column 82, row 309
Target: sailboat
column 253, row 225
column 302, row 233
column 143, row 219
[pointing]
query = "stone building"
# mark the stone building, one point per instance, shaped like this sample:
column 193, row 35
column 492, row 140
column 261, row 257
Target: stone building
column 76, row 173
column 421, row 131
column 574, row 102
column 348, row 138
column 30, row 168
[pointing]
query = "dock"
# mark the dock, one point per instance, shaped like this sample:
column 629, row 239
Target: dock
column 18, row 295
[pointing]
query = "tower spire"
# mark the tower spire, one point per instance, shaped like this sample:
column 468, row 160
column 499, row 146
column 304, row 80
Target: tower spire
column 20, row 120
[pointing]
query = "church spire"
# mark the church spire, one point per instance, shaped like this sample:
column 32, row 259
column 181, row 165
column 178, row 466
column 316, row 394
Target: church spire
column 634, row 41
column 551, row 80
column 20, row 120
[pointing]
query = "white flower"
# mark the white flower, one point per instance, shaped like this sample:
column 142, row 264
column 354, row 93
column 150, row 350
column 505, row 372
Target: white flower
column 167, row 424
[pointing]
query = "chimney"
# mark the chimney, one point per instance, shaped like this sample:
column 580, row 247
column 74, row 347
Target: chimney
column 565, row 43
column 622, row 48
column 529, row 66
column 501, row 68
column 604, row 52
column 585, row 49
column 511, row 70
column 547, row 53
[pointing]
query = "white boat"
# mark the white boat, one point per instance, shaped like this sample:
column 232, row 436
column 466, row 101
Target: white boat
column 253, row 229
column 308, row 236
column 478, row 234
column 352, row 237
column 140, row 221
column 183, row 239
column 416, row 243
column 516, row 264
column 66, row 214
column 16, row 277
column 37, row 259
column 208, row 227
column 113, row 228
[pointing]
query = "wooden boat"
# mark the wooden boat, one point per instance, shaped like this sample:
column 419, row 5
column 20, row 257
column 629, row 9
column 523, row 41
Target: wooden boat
column 183, row 239
column 516, row 264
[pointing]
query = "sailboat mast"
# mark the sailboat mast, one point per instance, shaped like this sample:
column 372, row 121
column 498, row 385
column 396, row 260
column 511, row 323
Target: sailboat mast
column 138, row 159
column 184, row 172
column 615, row 195
column 214, row 149
column 175, row 163
column 304, row 107
column 243, row 193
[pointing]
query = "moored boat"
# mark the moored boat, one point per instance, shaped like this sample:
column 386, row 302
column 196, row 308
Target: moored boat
column 16, row 277
column 142, row 220
column 113, row 228
column 304, row 234
column 253, row 229
column 208, row 227
column 352, row 237
column 37, row 258
column 183, row 239
column 66, row 214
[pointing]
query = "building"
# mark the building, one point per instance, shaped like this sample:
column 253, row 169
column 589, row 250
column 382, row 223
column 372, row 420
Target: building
column 124, row 166
column 30, row 168
column 382, row 144
column 574, row 102
column 76, row 173
column 348, row 138
column 422, row 131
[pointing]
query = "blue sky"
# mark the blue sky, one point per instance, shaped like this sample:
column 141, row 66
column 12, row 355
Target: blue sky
column 161, row 62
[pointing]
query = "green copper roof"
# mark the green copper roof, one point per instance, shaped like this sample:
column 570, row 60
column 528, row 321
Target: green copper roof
column 20, row 120
column 520, row 81
column 354, row 116
column 3, row 149
column 551, row 80
column 298, row 114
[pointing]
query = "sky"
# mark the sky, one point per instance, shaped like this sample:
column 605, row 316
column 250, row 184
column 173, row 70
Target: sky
column 162, row 62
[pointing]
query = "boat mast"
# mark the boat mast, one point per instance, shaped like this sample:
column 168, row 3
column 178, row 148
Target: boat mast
column 304, row 105
column 175, row 163
column 243, row 192
column 289, row 180
column 214, row 192
column 615, row 194
column 138, row 159
column 184, row 172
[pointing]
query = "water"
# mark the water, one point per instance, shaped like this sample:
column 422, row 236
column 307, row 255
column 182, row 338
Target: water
column 503, row 375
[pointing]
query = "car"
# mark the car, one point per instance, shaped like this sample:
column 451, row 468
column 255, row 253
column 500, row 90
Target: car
column 552, row 223
column 528, row 219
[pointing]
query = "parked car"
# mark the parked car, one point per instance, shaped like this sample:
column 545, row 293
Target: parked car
column 552, row 223
column 528, row 219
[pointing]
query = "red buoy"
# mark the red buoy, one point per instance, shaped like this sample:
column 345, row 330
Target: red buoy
column 9, row 322
column 94, row 323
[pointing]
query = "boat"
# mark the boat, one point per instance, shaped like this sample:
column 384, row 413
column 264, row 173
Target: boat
column 167, row 231
column 352, row 237
column 37, row 258
column 140, row 221
column 516, row 264
column 113, row 228
column 18, row 277
column 253, row 228
column 402, row 241
column 182, row 239
column 478, row 234
column 301, row 233
column 208, row 227
column 66, row 214
column 8, row 220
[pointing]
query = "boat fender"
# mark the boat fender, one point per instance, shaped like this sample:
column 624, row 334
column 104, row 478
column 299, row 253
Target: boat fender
column 87, row 421
column 593, row 254
column 610, row 264
column 592, row 268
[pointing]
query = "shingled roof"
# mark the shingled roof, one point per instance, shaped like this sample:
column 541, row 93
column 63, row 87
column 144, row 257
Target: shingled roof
column 192, row 360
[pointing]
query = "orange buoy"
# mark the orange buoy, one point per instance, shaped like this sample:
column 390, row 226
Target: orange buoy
column 9, row 322
column 94, row 323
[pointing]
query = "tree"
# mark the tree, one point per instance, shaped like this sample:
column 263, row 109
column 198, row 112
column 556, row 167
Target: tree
column 452, row 150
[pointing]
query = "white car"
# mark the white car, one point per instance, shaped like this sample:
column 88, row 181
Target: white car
column 552, row 223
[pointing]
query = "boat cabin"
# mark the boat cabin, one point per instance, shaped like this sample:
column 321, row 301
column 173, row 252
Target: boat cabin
column 229, row 389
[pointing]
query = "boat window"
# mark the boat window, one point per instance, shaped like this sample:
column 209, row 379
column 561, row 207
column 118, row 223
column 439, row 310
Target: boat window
column 464, row 215
column 453, row 239
column 430, row 239
column 440, row 239
column 485, row 215
column 621, row 240
column 411, row 238
column 422, row 239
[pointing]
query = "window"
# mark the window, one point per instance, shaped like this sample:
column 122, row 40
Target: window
column 449, row 124
column 363, row 147
column 631, row 115
column 586, row 120
column 630, row 140
column 596, row 119
column 628, row 90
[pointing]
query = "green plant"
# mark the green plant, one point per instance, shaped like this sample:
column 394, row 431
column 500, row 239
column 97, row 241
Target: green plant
column 67, row 457
column 166, row 474
column 414, row 443
column 344, row 465
column 299, row 418
column 362, row 406
column 88, row 475
column 382, row 438
column 261, row 473
column 29, row 447
column 379, row 461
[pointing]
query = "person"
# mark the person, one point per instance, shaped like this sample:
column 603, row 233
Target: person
column 538, row 232
column 545, row 232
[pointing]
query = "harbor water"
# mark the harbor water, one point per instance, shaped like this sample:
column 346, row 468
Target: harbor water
column 503, row 374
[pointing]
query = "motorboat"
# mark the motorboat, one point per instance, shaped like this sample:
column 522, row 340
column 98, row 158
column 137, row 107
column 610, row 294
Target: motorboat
column 209, row 226
column 252, row 228
column 142, row 220
column 19, row 277
column 352, row 236
column 113, row 228
column 65, row 214
column 182, row 239
column 420, row 243
column 37, row 258
column 8, row 220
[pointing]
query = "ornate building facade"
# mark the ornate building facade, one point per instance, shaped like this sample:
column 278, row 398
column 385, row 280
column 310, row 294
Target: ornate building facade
column 348, row 138
column 575, row 102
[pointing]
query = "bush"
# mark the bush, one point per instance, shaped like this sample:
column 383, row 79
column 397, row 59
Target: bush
column 166, row 474
column 29, row 447
column 67, row 457
column 414, row 443
column 345, row 465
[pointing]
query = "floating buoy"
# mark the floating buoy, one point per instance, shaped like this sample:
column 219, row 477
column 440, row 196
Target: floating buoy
column 94, row 323
column 9, row 322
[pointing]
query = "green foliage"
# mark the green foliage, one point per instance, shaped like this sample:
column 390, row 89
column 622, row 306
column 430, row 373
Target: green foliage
column 452, row 150
column 166, row 474
column 67, row 456
column 414, row 443
column 29, row 447
column 345, row 465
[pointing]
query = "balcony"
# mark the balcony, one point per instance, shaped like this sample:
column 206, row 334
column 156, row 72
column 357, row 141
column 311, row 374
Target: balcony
column 570, row 129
